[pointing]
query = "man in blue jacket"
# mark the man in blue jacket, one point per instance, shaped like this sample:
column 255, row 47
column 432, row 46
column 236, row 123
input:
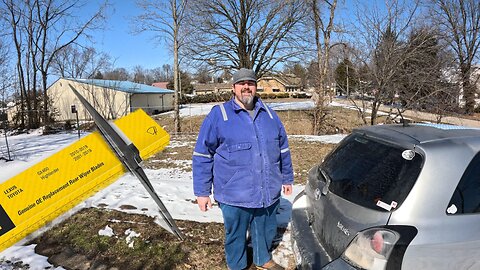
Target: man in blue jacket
column 242, row 153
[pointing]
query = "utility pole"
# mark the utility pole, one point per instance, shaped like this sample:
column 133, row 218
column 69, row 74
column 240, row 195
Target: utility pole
column 347, row 83
column 74, row 110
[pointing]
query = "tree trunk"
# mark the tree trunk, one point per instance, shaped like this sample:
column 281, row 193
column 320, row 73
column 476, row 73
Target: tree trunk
column 323, row 60
column 176, row 103
column 468, row 89
column 46, row 120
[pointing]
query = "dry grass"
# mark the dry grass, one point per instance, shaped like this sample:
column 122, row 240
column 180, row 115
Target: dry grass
column 298, row 122
column 305, row 155
column 175, row 154
column 76, row 243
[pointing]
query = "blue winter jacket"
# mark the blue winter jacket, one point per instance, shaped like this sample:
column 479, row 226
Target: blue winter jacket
column 246, row 160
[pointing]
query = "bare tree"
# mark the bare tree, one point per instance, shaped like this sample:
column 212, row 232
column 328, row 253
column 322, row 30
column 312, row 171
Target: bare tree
column 203, row 75
column 31, row 68
column 459, row 21
column 39, row 30
column 165, row 19
column 162, row 74
column 323, row 30
column 75, row 61
column 383, row 49
column 139, row 74
column 11, row 13
column 117, row 74
column 253, row 34
column 59, row 27
column 6, row 77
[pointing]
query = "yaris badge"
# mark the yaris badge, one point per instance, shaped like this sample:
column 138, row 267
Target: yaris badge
column 343, row 229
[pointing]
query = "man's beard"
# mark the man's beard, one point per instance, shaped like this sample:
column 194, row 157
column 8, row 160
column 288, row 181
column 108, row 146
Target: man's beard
column 247, row 101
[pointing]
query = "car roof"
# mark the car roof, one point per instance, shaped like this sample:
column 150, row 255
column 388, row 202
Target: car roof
column 420, row 133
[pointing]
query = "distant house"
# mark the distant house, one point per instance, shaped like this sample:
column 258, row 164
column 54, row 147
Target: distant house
column 206, row 88
column 279, row 83
column 267, row 84
column 112, row 99
column 162, row 85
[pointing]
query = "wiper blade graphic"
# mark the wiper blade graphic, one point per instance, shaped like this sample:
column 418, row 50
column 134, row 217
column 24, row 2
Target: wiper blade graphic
column 130, row 157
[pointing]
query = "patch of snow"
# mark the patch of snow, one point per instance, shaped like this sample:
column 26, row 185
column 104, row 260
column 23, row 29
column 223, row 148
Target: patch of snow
column 336, row 138
column 25, row 255
column 107, row 231
column 130, row 235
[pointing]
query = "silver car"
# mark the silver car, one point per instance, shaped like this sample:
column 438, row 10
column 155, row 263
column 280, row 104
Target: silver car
column 393, row 197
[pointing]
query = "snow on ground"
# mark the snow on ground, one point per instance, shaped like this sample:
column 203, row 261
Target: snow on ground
column 323, row 138
column 28, row 149
column 204, row 108
column 174, row 186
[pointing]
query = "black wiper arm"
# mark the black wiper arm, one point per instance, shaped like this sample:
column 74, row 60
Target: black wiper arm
column 327, row 179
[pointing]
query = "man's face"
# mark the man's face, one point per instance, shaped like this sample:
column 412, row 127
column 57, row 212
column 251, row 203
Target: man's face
column 245, row 92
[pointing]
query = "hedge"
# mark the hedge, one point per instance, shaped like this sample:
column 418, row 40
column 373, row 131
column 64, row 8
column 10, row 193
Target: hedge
column 224, row 96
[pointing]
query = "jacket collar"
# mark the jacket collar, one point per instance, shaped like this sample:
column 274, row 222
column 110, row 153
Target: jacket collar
column 258, row 105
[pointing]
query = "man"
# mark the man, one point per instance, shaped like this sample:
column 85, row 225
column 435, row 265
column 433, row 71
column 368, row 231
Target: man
column 242, row 152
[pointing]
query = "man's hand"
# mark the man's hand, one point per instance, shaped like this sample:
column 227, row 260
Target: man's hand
column 287, row 189
column 204, row 203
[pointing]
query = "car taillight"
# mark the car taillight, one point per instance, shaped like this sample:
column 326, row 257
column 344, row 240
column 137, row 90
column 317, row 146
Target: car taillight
column 371, row 248
column 377, row 242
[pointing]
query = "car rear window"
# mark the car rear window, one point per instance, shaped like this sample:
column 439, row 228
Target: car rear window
column 372, row 173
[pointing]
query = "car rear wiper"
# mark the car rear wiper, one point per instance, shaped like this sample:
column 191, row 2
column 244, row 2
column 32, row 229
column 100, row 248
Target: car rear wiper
column 327, row 178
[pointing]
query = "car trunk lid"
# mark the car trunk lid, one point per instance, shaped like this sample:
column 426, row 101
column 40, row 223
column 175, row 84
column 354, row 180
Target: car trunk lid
column 357, row 187
column 336, row 221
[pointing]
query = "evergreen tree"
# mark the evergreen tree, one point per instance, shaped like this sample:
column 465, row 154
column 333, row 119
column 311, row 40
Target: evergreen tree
column 346, row 77
column 422, row 84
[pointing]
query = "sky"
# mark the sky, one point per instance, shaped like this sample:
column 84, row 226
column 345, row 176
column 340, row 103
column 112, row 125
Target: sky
column 173, row 185
column 127, row 49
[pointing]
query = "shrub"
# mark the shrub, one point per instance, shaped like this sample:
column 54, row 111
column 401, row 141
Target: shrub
column 300, row 95
column 283, row 95
column 68, row 125
column 272, row 96
column 206, row 98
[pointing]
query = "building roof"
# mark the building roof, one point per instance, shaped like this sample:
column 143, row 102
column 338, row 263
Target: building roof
column 125, row 86
column 212, row 86
column 160, row 84
column 288, row 80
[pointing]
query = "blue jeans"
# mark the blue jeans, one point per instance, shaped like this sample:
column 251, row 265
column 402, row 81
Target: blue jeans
column 263, row 228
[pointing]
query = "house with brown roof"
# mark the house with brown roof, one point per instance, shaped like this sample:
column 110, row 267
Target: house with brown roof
column 162, row 85
column 207, row 88
column 266, row 84
column 279, row 83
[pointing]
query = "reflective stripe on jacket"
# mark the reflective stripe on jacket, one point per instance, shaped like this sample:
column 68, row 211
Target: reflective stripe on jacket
column 246, row 160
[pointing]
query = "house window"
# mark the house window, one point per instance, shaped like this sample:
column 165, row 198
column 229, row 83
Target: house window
column 276, row 90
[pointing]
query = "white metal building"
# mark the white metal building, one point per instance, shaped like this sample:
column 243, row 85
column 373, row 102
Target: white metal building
column 112, row 99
